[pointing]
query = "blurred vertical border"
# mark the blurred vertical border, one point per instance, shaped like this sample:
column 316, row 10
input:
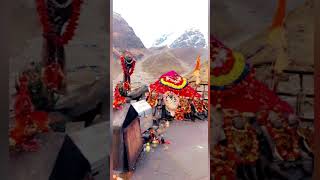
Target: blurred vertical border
column 6, row 50
column 317, row 89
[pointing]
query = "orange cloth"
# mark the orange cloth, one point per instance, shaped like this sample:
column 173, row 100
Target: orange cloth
column 280, row 14
column 197, row 68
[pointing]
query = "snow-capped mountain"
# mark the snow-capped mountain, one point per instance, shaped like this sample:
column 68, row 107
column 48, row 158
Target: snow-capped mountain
column 189, row 38
column 166, row 39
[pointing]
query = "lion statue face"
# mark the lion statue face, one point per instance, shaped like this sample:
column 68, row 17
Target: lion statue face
column 171, row 102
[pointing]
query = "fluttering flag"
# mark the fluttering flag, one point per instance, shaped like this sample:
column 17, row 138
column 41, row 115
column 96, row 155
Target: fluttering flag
column 280, row 14
column 196, row 71
column 277, row 37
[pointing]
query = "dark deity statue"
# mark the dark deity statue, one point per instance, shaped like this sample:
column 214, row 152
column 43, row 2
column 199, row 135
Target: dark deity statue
column 128, row 64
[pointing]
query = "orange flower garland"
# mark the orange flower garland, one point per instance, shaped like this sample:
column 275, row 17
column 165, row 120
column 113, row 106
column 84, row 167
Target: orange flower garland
column 178, row 83
column 223, row 163
column 48, row 27
column 152, row 99
column 124, row 68
column 199, row 105
column 118, row 99
column 247, row 142
column 308, row 137
column 286, row 140
column 179, row 114
column 185, row 105
column 53, row 76
column 27, row 121
column 127, row 86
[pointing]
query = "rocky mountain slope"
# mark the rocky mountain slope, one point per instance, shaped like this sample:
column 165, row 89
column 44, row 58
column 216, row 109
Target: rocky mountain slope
column 189, row 55
column 123, row 35
column 158, row 64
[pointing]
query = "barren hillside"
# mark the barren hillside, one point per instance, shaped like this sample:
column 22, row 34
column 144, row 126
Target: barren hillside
column 158, row 64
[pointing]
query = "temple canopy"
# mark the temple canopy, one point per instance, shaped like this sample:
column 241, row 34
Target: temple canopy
column 173, row 82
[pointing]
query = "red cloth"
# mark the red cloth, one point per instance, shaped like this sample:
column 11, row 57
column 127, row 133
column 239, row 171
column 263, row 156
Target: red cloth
column 53, row 76
column 250, row 95
column 173, row 78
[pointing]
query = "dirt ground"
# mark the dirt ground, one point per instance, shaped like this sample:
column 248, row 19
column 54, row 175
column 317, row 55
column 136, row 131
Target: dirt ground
column 186, row 157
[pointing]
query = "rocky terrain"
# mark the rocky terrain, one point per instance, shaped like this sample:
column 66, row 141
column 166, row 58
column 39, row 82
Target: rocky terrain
column 123, row 35
column 188, row 55
column 159, row 64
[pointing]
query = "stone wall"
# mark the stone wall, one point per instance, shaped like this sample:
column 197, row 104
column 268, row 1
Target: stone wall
column 202, row 89
column 296, row 86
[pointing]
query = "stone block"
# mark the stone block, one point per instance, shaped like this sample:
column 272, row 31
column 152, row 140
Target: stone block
column 307, row 108
column 292, row 101
column 292, row 85
column 308, row 84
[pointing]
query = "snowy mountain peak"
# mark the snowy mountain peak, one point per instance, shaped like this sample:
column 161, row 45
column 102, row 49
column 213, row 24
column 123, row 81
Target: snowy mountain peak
column 191, row 37
column 165, row 39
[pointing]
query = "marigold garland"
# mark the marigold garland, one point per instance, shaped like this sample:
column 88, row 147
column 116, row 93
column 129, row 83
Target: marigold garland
column 286, row 141
column 48, row 26
column 199, row 105
column 247, row 141
column 127, row 86
column 223, row 162
column 118, row 100
column 179, row 114
column 53, row 76
column 236, row 71
column 152, row 99
column 308, row 137
column 28, row 122
column 182, row 84
column 124, row 68
column 185, row 105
